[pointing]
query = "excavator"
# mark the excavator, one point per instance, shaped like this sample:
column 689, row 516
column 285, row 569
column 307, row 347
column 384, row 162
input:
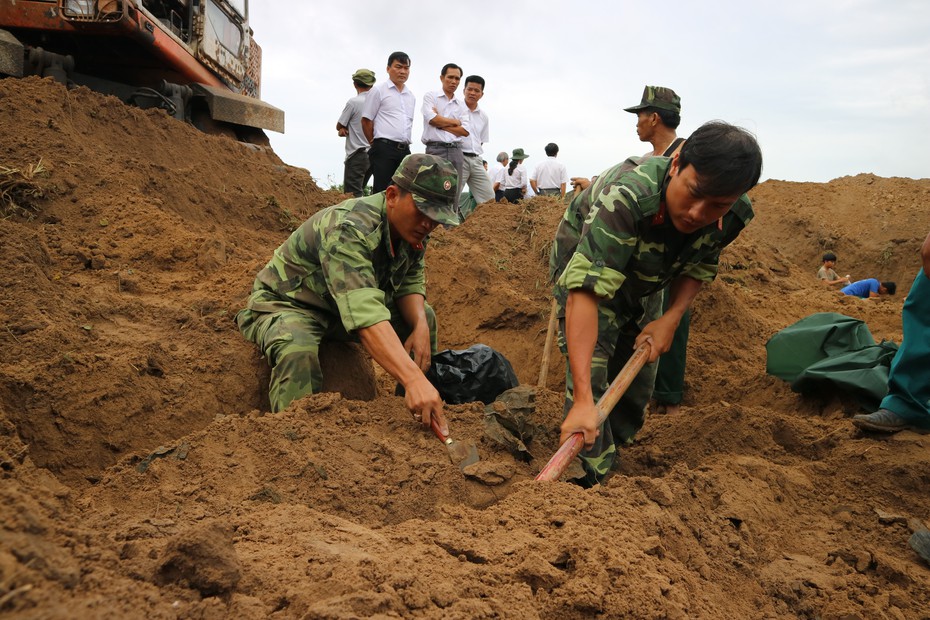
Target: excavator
column 195, row 59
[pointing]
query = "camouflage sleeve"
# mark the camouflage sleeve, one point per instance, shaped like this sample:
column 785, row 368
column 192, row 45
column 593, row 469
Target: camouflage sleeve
column 346, row 260
column 415, row 280
column 606, row 245
column 705, row 270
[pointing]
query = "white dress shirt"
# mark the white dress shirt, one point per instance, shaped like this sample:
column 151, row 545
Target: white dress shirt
column 476, row 122
column 450, row 108
column 391, row 111
column 517, row 179
column 550, row 174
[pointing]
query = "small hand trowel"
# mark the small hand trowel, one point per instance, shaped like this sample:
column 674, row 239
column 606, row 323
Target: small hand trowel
column 461, row 454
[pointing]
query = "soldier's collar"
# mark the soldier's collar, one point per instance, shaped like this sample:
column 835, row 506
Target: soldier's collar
column 659, row 218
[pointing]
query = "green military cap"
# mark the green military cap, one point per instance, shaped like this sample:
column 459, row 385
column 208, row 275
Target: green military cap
column 658, row 97
column 365, row 76
column 519, row 154
column 433, row 183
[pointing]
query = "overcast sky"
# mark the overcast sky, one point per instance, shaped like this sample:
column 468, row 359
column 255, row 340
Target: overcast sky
column 830, row 87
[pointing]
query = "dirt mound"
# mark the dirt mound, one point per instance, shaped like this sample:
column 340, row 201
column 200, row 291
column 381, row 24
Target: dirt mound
column 141, row 478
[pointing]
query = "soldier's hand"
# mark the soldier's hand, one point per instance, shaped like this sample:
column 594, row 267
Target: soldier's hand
column 418, row 344
column 659, row 334
column 580, row 183
column 424, row 402
column 581, row 418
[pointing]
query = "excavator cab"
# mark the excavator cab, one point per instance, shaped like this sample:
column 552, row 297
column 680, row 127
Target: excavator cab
column 193, row 58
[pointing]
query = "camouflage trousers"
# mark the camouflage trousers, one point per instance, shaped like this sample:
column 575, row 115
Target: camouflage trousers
column 290, row 341
column 614, row 347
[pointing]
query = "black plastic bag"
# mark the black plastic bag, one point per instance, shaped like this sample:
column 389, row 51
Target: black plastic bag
column 479, row 373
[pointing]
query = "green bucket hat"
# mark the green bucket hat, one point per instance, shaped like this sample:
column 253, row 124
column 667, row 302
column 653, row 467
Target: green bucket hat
column 433, row 183
column 658, row 97
column 519, row 154
column 365, row 76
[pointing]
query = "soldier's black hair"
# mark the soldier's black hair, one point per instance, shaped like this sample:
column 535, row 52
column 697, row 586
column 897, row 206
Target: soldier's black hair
column 552, row 149
column 400, row 57
column 829, row 256
column 670, row 119
column 477, row 79
column 361, row 85
column 726, row 158
column 891, row 287
column 451, row 65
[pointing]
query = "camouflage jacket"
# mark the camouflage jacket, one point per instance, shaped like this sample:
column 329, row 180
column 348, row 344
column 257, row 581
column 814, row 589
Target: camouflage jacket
column 341, row 262
column 614, row 242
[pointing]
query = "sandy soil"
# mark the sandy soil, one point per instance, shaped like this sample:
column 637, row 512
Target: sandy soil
column 140, row 476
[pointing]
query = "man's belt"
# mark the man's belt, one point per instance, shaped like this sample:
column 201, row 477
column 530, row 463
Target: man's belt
column 397, row 145
column 470, row 154
column 448, row 145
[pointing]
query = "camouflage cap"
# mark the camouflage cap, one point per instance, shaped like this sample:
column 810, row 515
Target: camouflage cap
column 658, row 97
column 365, row 76
column 433, row 183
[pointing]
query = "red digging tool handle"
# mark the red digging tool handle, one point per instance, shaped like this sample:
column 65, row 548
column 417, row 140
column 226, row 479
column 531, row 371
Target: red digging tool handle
column 573, row 445
column 433, row 424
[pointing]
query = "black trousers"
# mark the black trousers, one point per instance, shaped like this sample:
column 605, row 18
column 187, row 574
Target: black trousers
column 385, row 157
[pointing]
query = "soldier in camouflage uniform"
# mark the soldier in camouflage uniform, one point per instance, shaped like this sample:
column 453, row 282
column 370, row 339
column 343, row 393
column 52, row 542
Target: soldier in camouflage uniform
column 643, row 225
column 355, row 271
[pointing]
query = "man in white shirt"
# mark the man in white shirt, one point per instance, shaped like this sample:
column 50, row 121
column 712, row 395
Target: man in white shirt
column 443, row 115
column 388, row 121
column 349, row 126
column 549, row 177
column 473, row 168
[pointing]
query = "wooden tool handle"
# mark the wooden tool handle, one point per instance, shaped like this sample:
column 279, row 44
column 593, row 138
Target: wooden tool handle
column 573, row 445
column 433, row 424
column 547, row 348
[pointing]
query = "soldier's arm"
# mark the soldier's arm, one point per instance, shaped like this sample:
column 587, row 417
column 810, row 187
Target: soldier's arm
column 608, row 241
column 413, row 309
column 580, row 183
column 659, row 333
column 421, row 398
column 580, row 338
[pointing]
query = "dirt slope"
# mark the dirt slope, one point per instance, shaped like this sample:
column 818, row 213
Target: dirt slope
column 140, row 478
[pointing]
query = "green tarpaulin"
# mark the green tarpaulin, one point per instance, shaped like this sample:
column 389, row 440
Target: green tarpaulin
column 830, row 350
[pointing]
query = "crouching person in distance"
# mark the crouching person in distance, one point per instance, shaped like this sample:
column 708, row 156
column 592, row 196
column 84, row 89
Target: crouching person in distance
column 643, row 225
column 356, row 271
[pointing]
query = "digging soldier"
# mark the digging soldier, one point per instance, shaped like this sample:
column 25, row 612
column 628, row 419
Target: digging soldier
column 639, row 227
column 355, row 271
